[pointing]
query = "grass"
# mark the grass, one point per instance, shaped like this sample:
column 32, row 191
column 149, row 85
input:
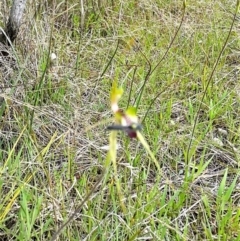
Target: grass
column 54, row 115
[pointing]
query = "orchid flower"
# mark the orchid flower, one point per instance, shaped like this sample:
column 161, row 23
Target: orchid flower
column 126, row 121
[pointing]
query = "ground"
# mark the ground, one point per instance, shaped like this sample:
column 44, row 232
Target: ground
column 178, row 65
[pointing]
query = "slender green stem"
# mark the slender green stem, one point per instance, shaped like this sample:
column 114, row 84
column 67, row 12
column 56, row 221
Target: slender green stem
column 209, row 81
